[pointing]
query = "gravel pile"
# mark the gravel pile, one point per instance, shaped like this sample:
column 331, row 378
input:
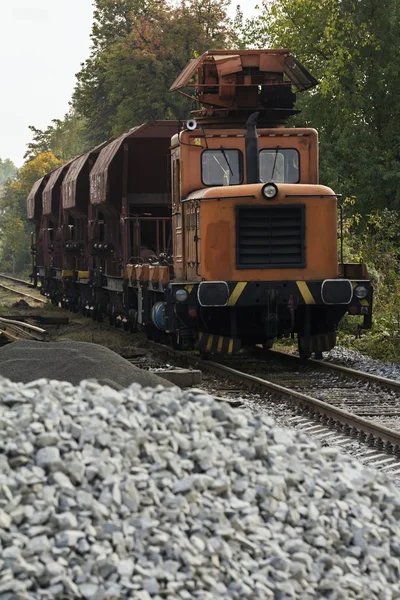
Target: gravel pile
column 168, row 494
column 356, row 360
column 72, row 361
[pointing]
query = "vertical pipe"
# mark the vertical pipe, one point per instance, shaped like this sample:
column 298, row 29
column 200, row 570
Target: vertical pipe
column 252, row 157
column 164, row 237
column 125, row 207
column 341, row 235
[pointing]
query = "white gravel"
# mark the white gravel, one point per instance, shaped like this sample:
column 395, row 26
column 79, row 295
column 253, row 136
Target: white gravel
column 355, row 360
column 169, row 494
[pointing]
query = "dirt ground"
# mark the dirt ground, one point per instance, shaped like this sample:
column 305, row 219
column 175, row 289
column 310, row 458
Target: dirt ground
column 79, row 329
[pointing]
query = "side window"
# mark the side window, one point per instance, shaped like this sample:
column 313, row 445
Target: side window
column 280, row 165
column 222, row 167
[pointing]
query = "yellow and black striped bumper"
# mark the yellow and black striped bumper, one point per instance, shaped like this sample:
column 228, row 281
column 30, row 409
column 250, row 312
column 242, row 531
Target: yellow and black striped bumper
column 217, row 344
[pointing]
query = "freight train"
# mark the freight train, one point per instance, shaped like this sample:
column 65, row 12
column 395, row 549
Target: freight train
column 211, row 234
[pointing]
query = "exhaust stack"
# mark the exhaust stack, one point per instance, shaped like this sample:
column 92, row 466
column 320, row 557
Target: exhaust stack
column 252, row 158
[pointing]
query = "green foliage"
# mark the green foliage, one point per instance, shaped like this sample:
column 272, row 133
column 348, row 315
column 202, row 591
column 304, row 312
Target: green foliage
column 139, row 48
column 14, row 227
column 7, row 170
column 64, row 138
column 375, row 239
column 352, row 47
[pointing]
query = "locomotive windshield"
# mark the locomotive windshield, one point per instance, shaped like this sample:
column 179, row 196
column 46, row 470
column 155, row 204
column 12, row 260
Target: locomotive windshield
column 280, row 165
column 222, row 167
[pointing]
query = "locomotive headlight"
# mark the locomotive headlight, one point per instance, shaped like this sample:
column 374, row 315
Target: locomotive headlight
column 269, row 191
column 361, row 292
column 181, row 295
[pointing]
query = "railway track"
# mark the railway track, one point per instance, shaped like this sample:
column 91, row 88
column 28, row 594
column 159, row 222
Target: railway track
column 354, row 410
column 14, row 281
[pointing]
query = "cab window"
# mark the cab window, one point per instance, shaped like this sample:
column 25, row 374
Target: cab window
column 280, row 165
column 221, row 167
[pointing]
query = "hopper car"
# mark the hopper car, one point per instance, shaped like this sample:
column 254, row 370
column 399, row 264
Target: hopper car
column 212, row 233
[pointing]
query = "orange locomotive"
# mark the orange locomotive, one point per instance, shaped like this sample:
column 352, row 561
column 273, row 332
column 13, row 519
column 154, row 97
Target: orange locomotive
column 254, row 236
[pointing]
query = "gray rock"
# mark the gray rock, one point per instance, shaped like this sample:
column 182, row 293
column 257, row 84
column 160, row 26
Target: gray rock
column 66, row 520
column 49, row 457
column 90, row 591
column 151, row 586
column 68, row 538
column 63, row 481
column 125, row 568
column 5, row 520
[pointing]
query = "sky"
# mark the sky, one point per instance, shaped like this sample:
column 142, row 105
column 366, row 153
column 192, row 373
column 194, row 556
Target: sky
column 42, row 44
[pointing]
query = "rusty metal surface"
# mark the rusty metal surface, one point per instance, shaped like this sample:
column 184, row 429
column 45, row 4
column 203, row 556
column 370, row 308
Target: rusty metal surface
column 48, row 191
column 69, row 185
column 30, row 201
column 188, row 72
column 70, row 181
column 99, row 176
column 297, row 74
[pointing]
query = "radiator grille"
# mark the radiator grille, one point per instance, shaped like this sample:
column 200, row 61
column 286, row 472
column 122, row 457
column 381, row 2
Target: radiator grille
column 270, row 236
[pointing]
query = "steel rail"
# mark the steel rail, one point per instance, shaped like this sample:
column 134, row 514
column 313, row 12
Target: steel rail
column 23, row 294
column 11, row 278
column 391, row 384
column 325, row 410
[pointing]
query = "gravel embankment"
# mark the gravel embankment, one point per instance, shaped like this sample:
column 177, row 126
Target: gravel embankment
column 356, row 360
column 73, row 362
column 168, row 494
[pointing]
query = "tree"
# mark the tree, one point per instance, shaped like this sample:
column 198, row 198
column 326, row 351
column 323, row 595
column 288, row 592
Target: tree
column 65, row 138
column 14, row 227
column 352, row 47
column 139, row 48
column 7, row 170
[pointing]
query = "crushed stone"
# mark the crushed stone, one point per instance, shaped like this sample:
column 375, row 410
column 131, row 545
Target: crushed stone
column 160, row 493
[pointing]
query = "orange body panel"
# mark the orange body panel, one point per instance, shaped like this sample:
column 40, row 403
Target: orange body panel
column 217, row 231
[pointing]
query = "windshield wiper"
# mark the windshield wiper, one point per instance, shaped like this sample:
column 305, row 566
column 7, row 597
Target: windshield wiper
column 273, row 168
column 224, row 154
